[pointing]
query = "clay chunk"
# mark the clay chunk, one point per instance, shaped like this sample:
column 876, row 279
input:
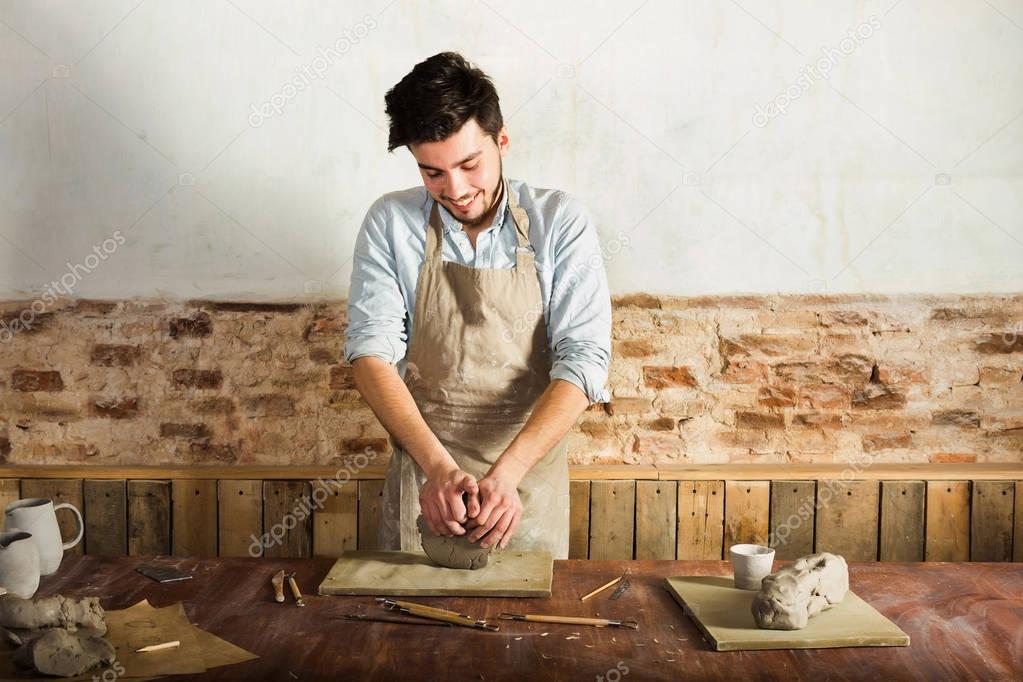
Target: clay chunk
column 453, row 552
column 789, row 597
column 52, row 612
column 64, row 654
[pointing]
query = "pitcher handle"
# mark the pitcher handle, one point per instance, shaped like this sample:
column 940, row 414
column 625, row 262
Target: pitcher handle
column 78, row 517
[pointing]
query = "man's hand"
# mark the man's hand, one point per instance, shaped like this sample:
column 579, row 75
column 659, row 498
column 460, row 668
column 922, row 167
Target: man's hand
column 441, row 501
column 500, row 511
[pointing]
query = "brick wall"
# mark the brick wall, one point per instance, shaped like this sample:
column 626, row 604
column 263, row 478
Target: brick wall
column 702, row 380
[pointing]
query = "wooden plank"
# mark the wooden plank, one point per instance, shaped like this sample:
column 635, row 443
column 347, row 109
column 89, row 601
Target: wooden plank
column 656, row 520
column 991, row 528
column 747, row 512
column 335, row 517
column 579, row 520
column 820, row 472
column 194, row 510
column 667, row 472
column 701, row 519
column 10, row 491
column 240, row 517
column 106, row 517
column 1017, row 537
column 59, row 490
column 902, row 520
column 948, row 521
column 371, row 498
column 287, row 519
column 793, row 508
column 847, row 519
column 148, row 518
column 612, row 519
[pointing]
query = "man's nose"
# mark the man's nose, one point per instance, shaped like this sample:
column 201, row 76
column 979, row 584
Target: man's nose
column 457, row 187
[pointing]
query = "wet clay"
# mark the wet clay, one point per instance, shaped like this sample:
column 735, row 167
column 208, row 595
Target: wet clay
column 64, row 654
column 453, row 552
column 789, row 597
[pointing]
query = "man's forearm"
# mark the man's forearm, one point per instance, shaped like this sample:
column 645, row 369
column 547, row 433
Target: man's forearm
column 556, row 412
column 389, row 398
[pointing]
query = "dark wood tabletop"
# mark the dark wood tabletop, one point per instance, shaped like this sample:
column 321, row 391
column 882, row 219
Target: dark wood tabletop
column 965, row 621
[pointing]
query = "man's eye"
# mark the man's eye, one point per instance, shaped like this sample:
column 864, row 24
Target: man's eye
column 433, row 175
column 472, row 167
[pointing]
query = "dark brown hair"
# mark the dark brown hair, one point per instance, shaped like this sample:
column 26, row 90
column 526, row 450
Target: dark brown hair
column 435, row 99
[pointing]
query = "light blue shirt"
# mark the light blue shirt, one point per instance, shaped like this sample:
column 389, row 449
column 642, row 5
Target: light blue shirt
column 569, row 262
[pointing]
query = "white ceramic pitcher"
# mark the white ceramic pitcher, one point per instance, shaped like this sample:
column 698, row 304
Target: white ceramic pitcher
column 19, row 563
column 38, row 516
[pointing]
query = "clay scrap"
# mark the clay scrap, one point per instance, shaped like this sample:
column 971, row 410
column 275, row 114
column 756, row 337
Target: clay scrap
column 789, row 597
column 453, row 552
column 56, row 636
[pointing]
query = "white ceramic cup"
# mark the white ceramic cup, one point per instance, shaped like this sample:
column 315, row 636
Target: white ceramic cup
column 751, row 564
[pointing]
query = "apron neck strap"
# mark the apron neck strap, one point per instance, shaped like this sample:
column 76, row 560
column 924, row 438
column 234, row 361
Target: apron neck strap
column 435, row 240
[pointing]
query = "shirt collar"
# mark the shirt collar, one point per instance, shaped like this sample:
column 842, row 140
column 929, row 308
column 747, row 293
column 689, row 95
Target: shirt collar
column 452, row 225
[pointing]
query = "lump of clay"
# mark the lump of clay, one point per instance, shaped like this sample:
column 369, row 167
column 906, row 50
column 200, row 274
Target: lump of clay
column 792, row 595
column 52, row 612
column 453, row 552
column 64, row 654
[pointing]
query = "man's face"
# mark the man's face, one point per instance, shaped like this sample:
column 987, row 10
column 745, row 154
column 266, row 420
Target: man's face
column 463, row 172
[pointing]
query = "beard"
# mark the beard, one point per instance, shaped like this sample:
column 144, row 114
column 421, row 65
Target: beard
column 487, row 213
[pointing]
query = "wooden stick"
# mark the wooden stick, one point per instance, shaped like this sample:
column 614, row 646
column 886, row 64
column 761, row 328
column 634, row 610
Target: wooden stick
column 433, row 609
column 278, row 582
column 570, row 620
column 158, row 647
column 601, row 588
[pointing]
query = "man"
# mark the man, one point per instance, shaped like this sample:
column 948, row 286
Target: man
column 491, row 297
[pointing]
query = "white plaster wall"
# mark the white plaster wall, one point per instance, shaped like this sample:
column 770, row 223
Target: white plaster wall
column 129, row 121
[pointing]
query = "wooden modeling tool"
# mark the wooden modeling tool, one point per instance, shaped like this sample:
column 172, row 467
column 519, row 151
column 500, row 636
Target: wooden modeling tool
column 602, row 588
column 159, row 647
column 294, row 589
column 429, row 612
column 571, row 620
column 278, row 582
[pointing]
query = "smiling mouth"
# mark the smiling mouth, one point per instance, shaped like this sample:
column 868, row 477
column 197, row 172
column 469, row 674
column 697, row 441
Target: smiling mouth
column 466, row 204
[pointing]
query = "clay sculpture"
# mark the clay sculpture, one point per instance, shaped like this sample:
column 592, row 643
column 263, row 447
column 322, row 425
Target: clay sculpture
column 789, row 597
column 52, row 612
column 453, row 552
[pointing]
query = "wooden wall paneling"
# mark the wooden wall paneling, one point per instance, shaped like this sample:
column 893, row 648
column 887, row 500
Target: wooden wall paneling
column 240, row 517
column 10, row 491
column 287, row 519
column 701, row 519
column 656, row 520
column 194, row 517
column 335, row 517
column 902, row 520
column 847, row 519
column 792, row 518
column 59, row 490
column 947, row 532
column 612, row 519
column 371, row 497
column 106, row 517
column 747, row 512
column 991, row 527
column 149, row 518
column 579, row 520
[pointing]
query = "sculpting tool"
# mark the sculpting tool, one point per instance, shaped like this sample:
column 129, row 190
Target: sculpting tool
column 433, row 609
column 439, row 615
column 159, row 647
column 601, row 588
column 620, row 590
column 278, row 582
column 399, row 621
column 571, row 620
column 294, row 589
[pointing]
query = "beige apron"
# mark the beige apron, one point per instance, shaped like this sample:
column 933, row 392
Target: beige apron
column 476, row 362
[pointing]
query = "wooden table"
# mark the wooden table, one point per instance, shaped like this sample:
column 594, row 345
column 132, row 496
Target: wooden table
column 965, row 621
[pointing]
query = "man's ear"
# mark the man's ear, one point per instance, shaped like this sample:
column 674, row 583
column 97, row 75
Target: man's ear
column 503, row 140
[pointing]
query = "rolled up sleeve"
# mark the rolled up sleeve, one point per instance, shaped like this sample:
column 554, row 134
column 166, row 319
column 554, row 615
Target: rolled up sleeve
column 580, row 308
column 376, row 308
